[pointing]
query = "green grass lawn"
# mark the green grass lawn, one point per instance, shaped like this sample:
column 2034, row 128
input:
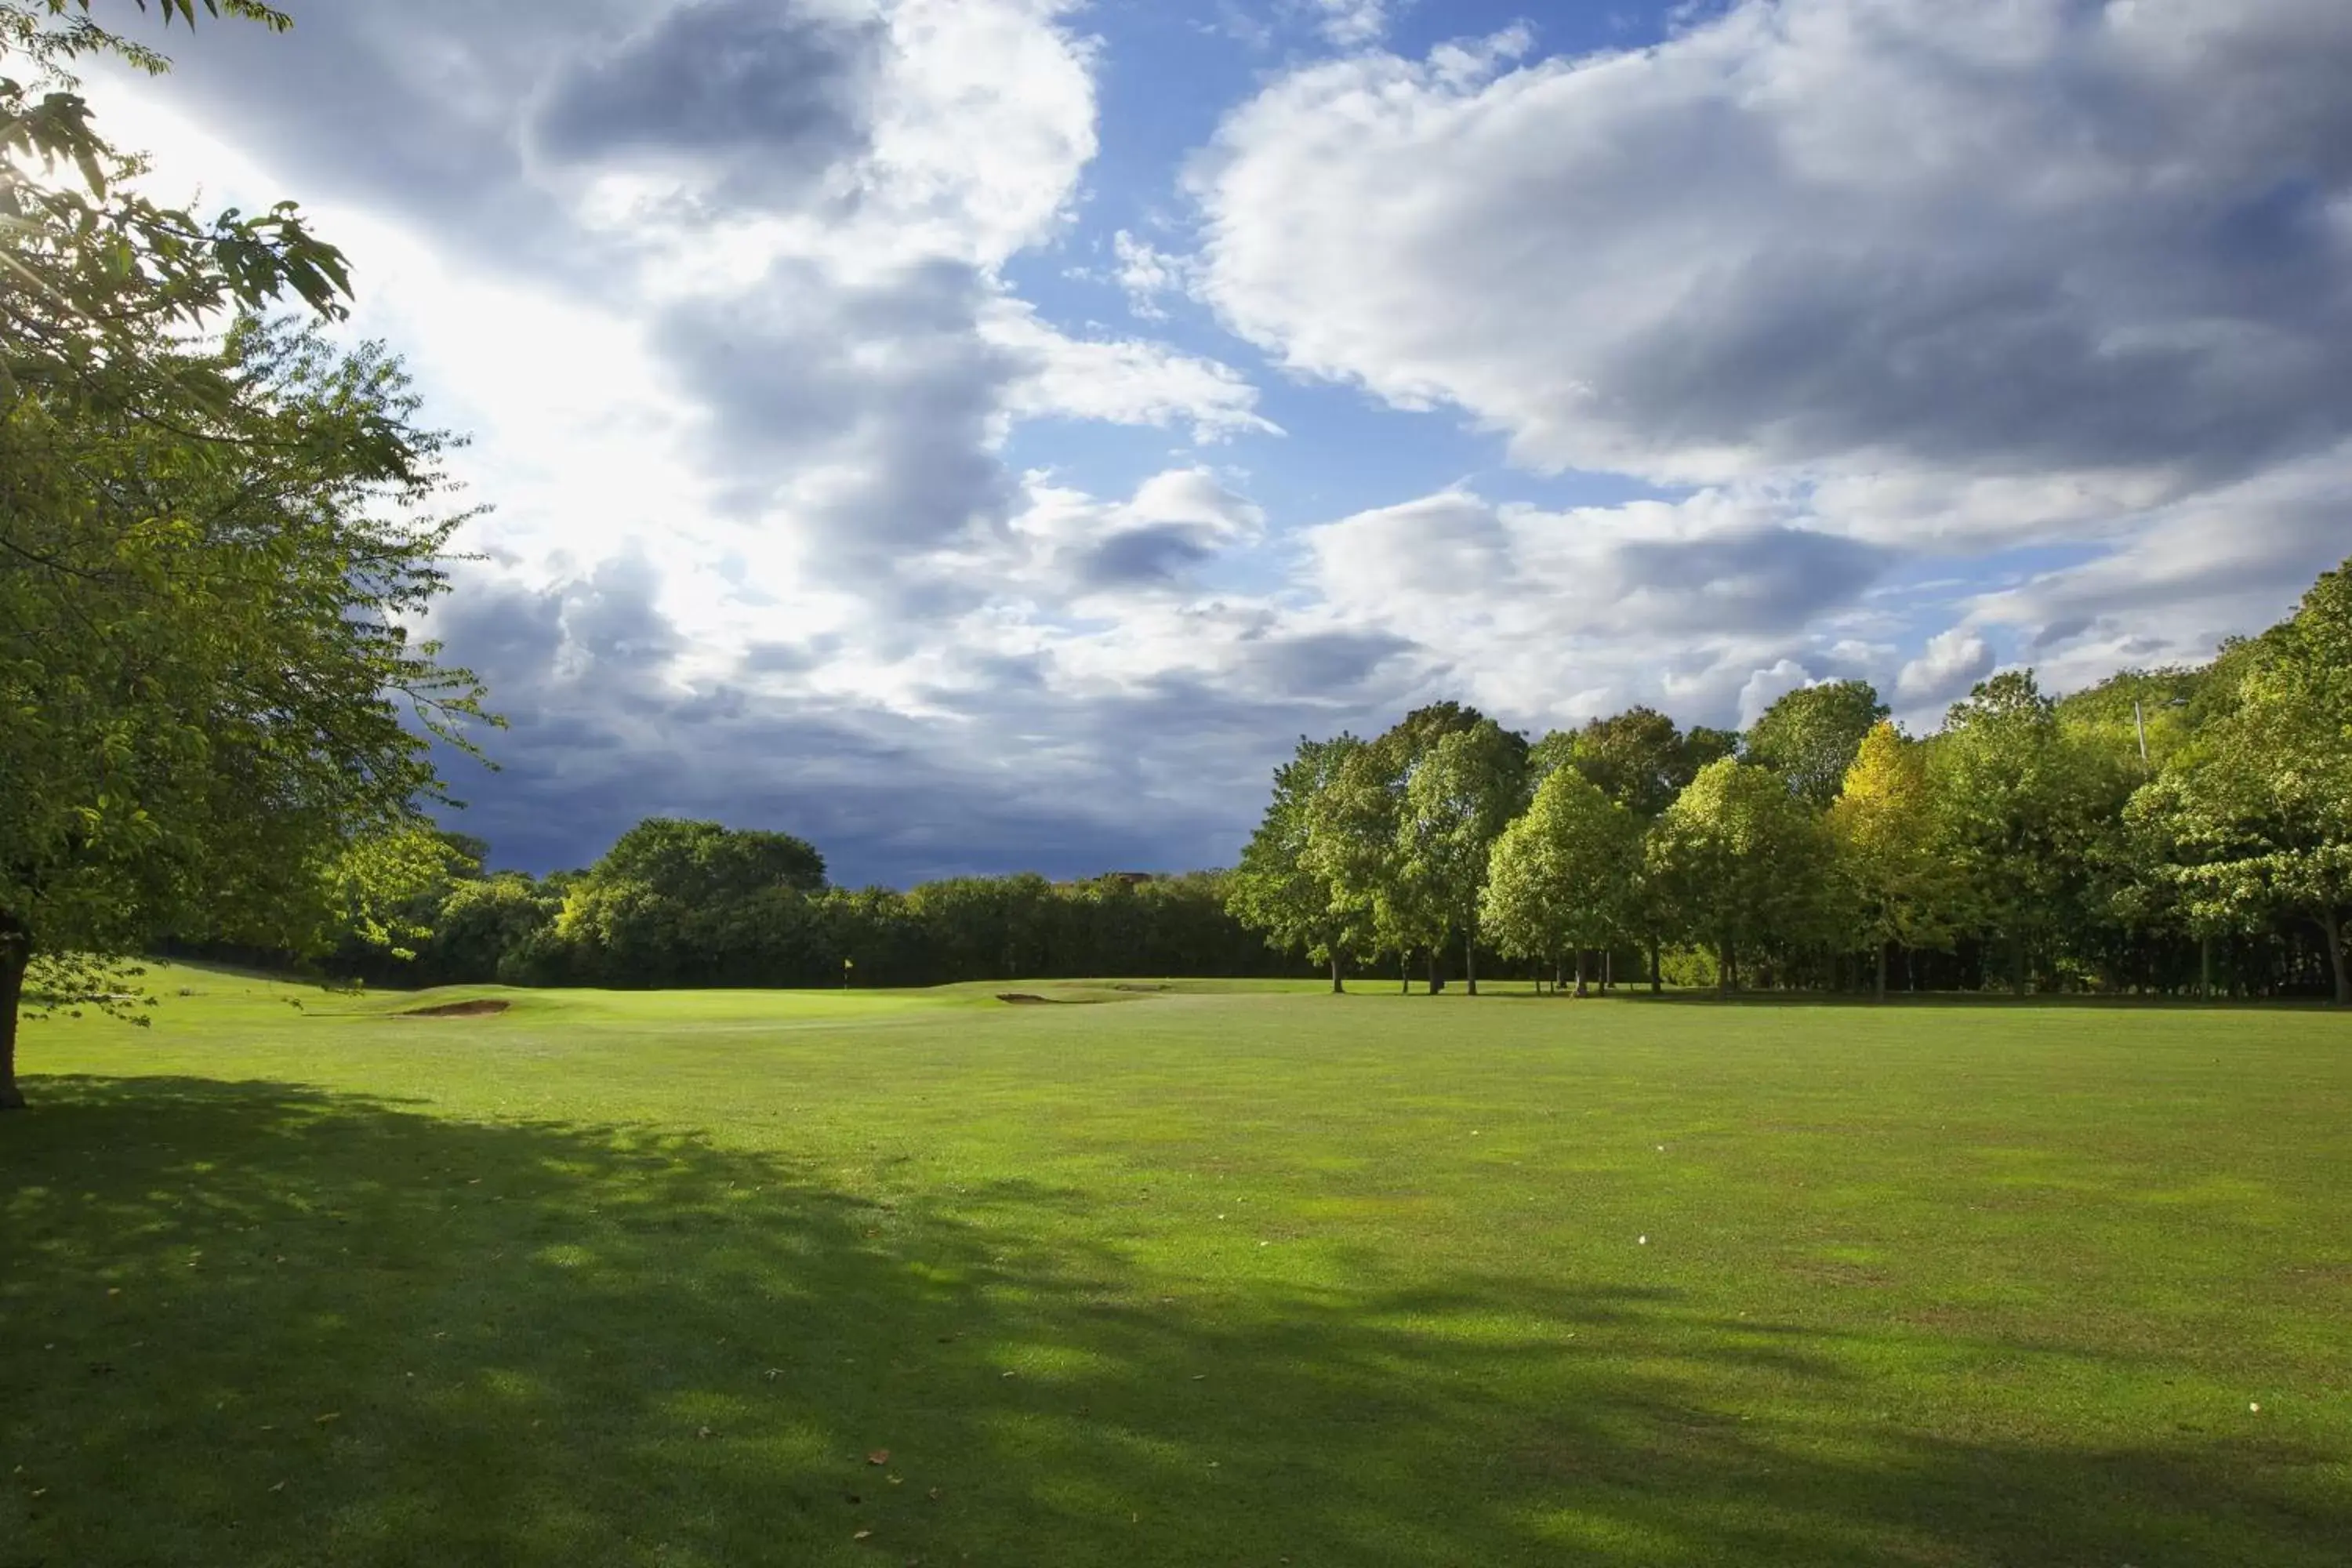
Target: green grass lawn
column 1202, row 1277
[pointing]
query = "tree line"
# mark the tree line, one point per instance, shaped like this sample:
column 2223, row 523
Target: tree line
column 687, row 903
column 2171, row 831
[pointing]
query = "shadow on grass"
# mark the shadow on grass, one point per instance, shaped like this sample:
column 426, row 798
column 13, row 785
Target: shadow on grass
column 248, row 1323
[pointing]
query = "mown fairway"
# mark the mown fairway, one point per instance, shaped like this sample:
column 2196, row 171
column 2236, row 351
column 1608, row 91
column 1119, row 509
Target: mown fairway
column 1245, row 1278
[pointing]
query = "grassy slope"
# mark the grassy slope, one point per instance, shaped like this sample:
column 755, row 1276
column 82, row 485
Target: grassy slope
column 1199, row 1278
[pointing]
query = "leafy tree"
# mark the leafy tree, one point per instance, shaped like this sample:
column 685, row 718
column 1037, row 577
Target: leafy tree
column 1458, row 798
column 214, row 549
column 1738, row 859
column 1278, row 889
column 1703, row 746
column 2023, row 812
column 2156, row 708
column 1562, row 874
column 1637, row 758
column 707, row 863
column 1357, row 836
column 214, row 705
column 1899, row 887
column 481, row 926
column 1810, row 735
column 2254, row 815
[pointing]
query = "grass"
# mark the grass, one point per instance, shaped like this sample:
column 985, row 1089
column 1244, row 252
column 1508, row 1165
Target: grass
column 1193, row 1277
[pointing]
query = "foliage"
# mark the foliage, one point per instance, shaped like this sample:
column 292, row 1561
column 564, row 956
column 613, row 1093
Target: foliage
column 2023, row 810
column 1277, row 888
column 1563, row 874
column 1637, row 758
column 1810, row 735
column 216, row 536
column 1738, row 859
column 2253, row 818
column 1458, row 798
column 1896, row 885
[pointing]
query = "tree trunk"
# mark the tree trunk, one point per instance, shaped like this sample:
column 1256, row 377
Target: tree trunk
column 1338, row 988
column 1608, row 969
column 2018, row 981
column 2205, row 968
column 1470, row 963
column 1723, row 969
column 2333, row 926
column 1657, row 981
column 1581, row 990
column 1405, row 972
column 16, row 953
column 1881, row 983
column 1436, row 956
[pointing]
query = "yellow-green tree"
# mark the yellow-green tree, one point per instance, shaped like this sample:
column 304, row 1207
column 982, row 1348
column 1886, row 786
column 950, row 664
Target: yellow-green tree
column 1895, row 886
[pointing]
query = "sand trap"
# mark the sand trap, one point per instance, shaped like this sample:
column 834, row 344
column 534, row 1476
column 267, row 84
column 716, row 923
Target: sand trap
column 480, row 1007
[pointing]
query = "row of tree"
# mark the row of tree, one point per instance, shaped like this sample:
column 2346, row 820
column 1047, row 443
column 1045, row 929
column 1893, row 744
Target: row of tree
column 680, row 903
column 2166, row 831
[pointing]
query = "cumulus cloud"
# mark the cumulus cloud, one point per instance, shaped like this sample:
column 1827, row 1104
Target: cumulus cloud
column 1951, row 663
column 728, row 292
column 2096, row 250
column 1552, row 615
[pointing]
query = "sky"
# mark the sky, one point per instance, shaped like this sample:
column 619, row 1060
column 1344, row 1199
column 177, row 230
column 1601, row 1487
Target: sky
column 986, row 435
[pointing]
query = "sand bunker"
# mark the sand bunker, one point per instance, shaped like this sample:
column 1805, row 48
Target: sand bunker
column 481, row 1006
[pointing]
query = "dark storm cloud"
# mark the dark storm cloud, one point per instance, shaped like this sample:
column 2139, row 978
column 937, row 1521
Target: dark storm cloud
column 1021, row 775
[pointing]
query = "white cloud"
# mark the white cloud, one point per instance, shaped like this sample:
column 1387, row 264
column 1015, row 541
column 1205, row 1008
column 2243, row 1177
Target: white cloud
column 1351, row 23
column 1148, row 274
column 1951, row 663
column 1123, row 381
column 1766, row 687
column 1544, row 615
column 1985, row 271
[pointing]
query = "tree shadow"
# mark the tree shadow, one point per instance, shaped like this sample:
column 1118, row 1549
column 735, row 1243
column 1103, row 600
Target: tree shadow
column 253, row 1323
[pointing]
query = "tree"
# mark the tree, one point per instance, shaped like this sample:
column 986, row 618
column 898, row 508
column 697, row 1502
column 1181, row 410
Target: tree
column 1637, row 758
column 1357, row 835
column 1562, row 874
column 1737, row 858
column 1810, row 735
column 213, row 699
column 1278, row 887
column 2254, row 815
column 212, row 550
column 2023, row 811
column 1897, row 887
column 1458, row 798
column 1641, row 761
column 708, row 863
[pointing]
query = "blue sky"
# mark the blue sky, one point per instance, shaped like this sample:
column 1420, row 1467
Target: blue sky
column 984, row 434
